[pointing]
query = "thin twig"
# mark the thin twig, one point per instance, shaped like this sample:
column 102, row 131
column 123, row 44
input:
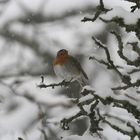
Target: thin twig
column 63, row 83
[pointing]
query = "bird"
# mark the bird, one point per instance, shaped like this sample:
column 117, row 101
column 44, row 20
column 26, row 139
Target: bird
column 69, row 69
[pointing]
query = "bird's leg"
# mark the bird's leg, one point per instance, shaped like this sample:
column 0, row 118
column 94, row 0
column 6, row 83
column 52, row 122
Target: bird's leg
column 65, row 83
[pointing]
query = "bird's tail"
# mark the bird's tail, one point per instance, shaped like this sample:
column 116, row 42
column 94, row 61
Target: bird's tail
column 83, row 81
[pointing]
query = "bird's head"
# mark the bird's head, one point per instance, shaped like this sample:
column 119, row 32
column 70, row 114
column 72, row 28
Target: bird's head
column 62, row 53
column 61, row 57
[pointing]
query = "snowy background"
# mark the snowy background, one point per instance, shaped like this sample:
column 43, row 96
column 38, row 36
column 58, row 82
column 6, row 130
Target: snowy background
column 31, row 32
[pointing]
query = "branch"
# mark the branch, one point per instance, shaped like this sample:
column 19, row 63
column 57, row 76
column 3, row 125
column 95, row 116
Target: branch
column 101, row 45
column 135, row 84
column 103, row 62
column 25, row 42
column 115, row 127
column 118, row 103
column 19, row 138
column 21, row 73
column 120, row 51
column 134, row 71
column 99, row 10
column 94, row 121
column 4, row 1
column 135, row 47
column 137, row 4
column 119, row 129
column 63, row 83
column 125, row 78
column 135, row 131
column 39, row 18
column 65, row 122
column 21, row 38
column 128, row 27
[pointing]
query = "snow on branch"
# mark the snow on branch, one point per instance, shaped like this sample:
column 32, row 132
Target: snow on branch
column 120, row 51
column 135, row 47
column 91, row 99
column 130, row 21
column 135, row 84
column 136, row 6
column 125, row 78
column 96, row 118
column 43, row 85
column 100, row 9
column 91, row 102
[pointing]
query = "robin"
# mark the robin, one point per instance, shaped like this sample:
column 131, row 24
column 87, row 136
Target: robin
column 68, row 68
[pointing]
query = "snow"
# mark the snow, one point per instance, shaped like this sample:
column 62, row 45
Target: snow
column 76, row 137
column 87, row 97
column 111, row 134
column 8, row 12
column 129, row 18
column 18, row 112
column 7, row 122
column 63, row 5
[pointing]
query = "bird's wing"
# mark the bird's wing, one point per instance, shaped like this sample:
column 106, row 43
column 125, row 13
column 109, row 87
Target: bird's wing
column 78, row 65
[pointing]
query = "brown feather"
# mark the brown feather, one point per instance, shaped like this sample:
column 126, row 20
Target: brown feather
column 79, row 66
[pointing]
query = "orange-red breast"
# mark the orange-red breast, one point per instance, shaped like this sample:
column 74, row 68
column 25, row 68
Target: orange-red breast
column 67, row 67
